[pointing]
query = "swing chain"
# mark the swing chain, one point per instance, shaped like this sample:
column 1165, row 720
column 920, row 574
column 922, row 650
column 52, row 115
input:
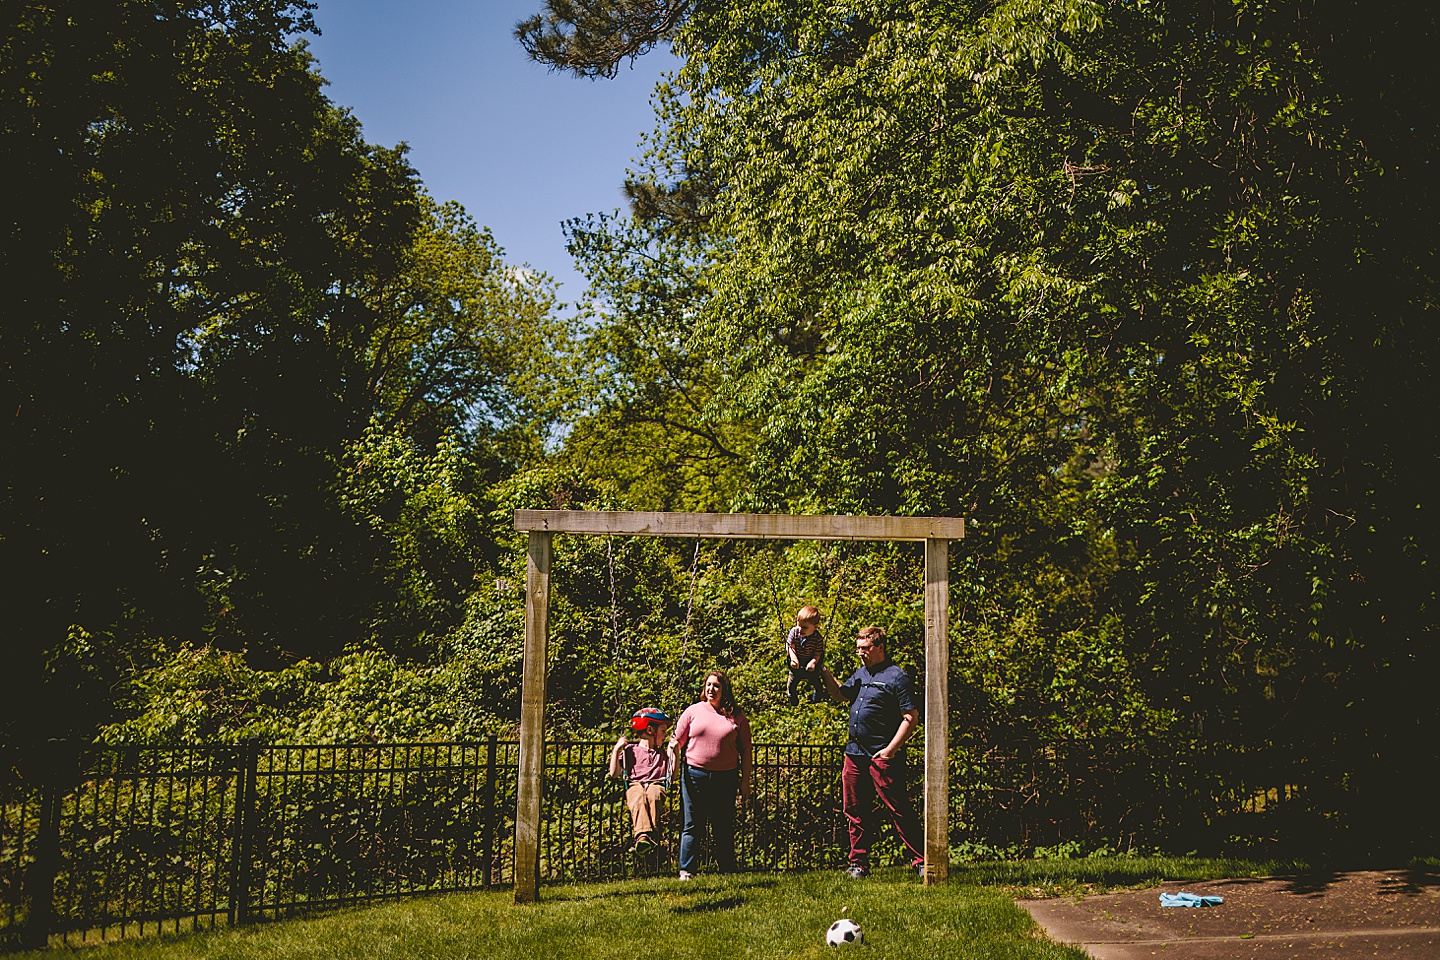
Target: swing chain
column 774, row 594
column 614, row 620
column 689, row 606
column 835, row 618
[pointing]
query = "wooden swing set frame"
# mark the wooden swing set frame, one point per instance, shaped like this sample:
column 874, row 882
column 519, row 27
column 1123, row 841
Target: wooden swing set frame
column 541, row 525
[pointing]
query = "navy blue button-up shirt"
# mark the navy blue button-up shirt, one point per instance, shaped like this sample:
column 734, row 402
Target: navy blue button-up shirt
column 879, row 696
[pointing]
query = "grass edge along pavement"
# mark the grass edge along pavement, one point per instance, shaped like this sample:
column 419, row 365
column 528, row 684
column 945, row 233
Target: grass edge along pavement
column 746, row 915
column 1082, row 876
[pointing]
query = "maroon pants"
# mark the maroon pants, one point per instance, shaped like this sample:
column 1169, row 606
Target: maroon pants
column 860, row 780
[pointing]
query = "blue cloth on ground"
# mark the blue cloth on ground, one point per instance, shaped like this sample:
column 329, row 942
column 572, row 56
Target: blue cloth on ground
column 1183, row 899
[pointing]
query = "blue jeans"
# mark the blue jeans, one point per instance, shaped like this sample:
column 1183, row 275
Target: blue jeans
column 708, row 799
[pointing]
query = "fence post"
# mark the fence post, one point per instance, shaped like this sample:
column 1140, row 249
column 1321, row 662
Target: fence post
column 241, row 842
column 40, row 882
column 487, row 806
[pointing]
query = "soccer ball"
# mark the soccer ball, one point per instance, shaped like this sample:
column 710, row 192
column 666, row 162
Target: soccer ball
column 842, row 932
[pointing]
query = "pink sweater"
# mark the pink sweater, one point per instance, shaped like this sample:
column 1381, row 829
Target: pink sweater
column 712, row 741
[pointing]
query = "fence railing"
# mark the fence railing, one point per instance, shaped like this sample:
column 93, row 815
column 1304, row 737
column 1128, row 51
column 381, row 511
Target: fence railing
column 124, row 841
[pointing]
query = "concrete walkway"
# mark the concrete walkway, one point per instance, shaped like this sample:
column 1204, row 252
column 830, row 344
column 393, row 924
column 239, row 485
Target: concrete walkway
column 1338, row 916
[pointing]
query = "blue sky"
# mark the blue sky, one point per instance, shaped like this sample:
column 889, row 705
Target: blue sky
column 522, row 148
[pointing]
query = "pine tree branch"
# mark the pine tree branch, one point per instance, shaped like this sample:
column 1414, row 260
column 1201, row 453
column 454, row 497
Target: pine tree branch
column 589, row 38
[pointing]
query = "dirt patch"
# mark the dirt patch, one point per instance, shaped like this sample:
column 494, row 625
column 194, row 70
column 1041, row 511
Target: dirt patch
column 1366, row 913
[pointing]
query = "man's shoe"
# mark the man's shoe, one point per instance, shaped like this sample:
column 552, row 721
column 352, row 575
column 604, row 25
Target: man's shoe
column 857, row 873
column 686, row 875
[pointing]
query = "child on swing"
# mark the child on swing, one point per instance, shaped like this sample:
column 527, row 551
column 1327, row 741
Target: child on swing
column 645, row 767
column 805, row 649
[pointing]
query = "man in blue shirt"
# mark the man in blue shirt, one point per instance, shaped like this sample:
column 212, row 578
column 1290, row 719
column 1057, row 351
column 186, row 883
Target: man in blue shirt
column 883, row 715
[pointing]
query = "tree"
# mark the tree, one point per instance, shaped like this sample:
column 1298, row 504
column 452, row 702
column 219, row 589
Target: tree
column 195, row 211
column 218, row 286
column 590, row 38
column 1144, row 289
column 649, row 424
column 465, row 343
column 466, row 377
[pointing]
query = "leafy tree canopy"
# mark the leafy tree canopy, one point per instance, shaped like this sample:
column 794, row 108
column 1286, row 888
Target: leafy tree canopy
column 1146, row 290
column 217, row 286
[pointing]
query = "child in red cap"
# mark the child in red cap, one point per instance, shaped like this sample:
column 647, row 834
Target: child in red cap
column 645, row 767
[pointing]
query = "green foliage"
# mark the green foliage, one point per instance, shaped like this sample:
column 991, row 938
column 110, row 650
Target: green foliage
column 649, row 423
column 223, row 285
column 1111, row 282
column 424, row 509
column 201, row 696
column 466, row 343
column 1144, row 291
column 205, row 696
column 194, row 215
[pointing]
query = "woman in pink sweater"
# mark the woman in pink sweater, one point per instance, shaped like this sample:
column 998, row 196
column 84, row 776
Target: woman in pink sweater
column 715, row 736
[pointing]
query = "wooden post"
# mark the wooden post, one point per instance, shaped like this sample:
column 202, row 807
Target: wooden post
column 937, row 712
column 532, row 720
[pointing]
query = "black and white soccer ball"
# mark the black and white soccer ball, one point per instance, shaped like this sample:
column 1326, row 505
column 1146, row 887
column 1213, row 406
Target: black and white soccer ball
column 842, row 932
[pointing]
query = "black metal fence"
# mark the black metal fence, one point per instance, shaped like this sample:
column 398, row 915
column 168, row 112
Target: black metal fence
column 115, row 842
column 126, row 841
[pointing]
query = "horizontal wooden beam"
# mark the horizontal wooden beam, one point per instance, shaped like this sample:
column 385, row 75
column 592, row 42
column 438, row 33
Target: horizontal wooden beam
column 730, row 526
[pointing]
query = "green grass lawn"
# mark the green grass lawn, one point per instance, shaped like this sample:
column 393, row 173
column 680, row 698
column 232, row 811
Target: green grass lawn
column 751, row 915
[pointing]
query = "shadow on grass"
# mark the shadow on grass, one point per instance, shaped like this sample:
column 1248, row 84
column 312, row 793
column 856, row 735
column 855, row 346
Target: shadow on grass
column 625, row 889
column 710, row 906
